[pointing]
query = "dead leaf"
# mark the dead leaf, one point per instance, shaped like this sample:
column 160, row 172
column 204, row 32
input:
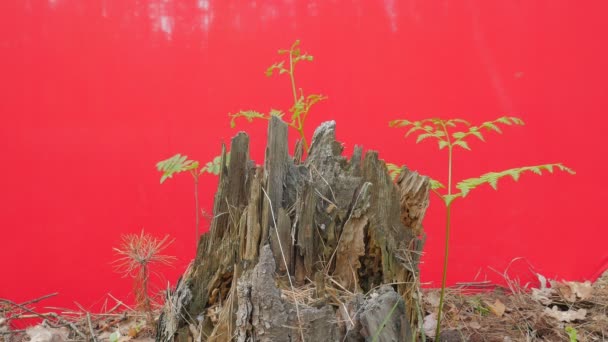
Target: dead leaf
column 566, row 292
column 498, row 308
column 432, row 298
column 133, row 332
column 430, row 324
column 582, row 290
column 544, row 293
column 566, row 316
column 474, row 325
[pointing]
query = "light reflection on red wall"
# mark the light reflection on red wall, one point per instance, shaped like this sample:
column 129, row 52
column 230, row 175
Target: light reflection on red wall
column 95, row 92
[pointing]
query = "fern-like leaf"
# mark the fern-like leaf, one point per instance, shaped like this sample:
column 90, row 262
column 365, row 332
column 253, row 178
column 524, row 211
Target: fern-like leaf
column 276, row 66
column 249, row 115
column 175, row 164
column 393, row 170
column 492, row 178
column 435, row 184
column 462, row 144
column 215, row 166
column 488, row 125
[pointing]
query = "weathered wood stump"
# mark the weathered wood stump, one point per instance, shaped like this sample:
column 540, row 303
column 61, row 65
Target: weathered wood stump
column 321, row 250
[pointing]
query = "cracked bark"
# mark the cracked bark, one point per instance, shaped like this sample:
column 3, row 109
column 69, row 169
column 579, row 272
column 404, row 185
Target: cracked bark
column 329, row 223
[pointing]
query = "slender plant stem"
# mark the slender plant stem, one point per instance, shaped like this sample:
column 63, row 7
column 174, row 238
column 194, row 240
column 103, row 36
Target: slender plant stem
column 196, row 206
column 448, row 212
column 301, row 130
column 146, row 297
column 450, row 170
column 292, row 77
column 445, row 271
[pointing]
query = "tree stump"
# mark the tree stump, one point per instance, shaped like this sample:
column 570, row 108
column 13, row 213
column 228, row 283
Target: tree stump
column 325, row 249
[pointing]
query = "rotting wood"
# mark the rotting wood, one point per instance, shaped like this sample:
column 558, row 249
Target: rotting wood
column 340, row 228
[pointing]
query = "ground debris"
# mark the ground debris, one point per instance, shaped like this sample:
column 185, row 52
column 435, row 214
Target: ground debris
column 552, row 312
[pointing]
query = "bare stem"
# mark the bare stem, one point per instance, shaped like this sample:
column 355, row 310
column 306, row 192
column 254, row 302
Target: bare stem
column 447, row 236
column 196, row 206
column 445, row 271
column 293, row 78
column 146, row 297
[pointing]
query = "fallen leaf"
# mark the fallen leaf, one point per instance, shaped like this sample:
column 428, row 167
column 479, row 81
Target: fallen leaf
column 566, row 292
column 498, row 308
column 566, row 316
column 582, row 290
column 432, row 298
column 133, row 332
column 475, row 325
column 544, row 293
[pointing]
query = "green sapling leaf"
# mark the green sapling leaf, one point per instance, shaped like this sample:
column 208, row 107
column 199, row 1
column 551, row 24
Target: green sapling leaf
column 175, row 164
column 462, row 144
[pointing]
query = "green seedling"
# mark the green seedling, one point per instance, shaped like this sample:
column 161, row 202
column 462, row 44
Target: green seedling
column 179, row 164
column 452, row 134
column 301, row 103
column 572, row 334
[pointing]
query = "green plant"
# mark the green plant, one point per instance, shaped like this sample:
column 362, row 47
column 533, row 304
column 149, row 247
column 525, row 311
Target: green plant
column 301, row 103
column 178, row 164
column 440, row 131
column 572, row 334
column 135, row 255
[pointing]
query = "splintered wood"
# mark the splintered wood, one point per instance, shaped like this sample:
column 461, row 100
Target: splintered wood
column 326, row 228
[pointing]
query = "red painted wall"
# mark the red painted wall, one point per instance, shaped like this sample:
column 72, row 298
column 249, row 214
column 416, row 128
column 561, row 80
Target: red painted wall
column 93, row 93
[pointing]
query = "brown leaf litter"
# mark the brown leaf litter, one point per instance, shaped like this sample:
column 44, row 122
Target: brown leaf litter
column 512, row 313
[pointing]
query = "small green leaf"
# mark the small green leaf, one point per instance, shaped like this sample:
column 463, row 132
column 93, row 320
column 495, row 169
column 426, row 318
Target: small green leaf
column 462, row 144
column 399, row 123
column 458, row 135
column 435, row 184
column 505, row 120
column 461, row 121
column 448, row 199
column 215, row 166
column 442, row 144
column 515, row 175
column 249, row 115
column 478, row 135
column 517, row 121
column 115, row 336
column 393, row 170
column 175, row 164
column 423, row 136
column 572, row 334
column 412, row 130
column 276, row 112
column 491, row 126
column 493, row 183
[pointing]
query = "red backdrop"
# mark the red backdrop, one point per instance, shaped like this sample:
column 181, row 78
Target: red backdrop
column 94, row 93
